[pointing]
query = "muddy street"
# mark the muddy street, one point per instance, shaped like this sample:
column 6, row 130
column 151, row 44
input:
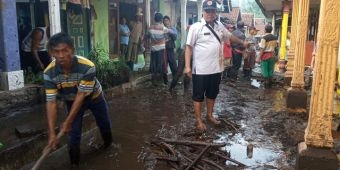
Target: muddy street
column 252, row 118
column 259, row 115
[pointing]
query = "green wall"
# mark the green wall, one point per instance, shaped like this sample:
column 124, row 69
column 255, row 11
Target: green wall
column 101, row 28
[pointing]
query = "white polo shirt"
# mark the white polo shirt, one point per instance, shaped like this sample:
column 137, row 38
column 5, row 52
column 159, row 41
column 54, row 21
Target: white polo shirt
column 207, row 50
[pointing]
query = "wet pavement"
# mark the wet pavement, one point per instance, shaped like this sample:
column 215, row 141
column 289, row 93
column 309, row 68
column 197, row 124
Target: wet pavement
column 149, row 112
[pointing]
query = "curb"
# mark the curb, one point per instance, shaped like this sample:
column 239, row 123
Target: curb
column 126, row 87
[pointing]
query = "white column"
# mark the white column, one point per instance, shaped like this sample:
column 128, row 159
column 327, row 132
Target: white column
column 54, row 14
column 199, row 10
column 273, row 24
column 173, row 15
column 183, row 22
column 147, row 13
column 319, row 129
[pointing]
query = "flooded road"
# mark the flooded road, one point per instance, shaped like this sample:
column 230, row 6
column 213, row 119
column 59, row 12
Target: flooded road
column 137, row 117
column 142, row 115
column 264, row 136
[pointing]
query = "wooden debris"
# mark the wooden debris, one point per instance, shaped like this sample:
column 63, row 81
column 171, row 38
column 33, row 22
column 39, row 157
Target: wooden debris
column 191, row 155
column 186, row 142
column 165, row 157
column 212, row 163
column 228, row 158
column 198, row 157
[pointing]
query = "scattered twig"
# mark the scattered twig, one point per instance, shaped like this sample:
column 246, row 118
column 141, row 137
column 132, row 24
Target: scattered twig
column 230, row 125
column 187, row 159
column 212, row 163
column 198, row 157
column 186, row 142
column 166, row 157
column 227, row 158
column 168, row 148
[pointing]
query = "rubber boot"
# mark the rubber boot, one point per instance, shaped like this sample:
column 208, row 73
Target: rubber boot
column 107, row 138
column 74, row 153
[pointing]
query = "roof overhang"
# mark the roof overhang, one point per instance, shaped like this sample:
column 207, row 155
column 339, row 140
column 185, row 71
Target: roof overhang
column 274, row 7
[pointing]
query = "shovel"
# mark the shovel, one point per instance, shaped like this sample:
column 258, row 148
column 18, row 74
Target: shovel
column 45, row 153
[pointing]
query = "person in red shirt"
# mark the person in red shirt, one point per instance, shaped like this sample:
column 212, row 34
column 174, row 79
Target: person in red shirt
column 227, row 53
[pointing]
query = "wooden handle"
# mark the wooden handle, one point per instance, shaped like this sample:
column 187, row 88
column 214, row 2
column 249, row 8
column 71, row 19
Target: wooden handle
column 45, row 153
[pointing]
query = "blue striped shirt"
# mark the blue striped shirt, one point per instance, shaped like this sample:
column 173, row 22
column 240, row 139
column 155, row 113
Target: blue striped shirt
column 82, row 78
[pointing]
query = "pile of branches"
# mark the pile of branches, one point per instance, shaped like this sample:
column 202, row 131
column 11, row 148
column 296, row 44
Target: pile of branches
column 195, row 155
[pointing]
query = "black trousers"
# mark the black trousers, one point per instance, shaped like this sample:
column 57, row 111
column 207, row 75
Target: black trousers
column 171, row 61
column 237, row 61
column 28, row 61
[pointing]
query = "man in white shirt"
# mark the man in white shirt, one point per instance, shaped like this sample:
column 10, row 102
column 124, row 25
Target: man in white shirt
column 205, row 45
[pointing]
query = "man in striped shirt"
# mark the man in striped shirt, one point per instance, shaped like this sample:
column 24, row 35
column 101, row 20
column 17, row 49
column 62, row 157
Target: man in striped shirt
column 73, row 79
column 156, row 35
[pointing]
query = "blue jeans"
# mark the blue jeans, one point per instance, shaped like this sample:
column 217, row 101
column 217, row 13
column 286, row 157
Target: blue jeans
column 99, row 110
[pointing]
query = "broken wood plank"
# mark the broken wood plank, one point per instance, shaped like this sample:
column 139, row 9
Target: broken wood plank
column 227, row 158
column 198, row 157
column 165, row 157
column 228, row 123
column 181, row 155
column 168, row 148
column 212, row 163
column 186, row 142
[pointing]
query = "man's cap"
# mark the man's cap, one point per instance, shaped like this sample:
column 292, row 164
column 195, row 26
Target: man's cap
column 209, row 4
column 253, row 28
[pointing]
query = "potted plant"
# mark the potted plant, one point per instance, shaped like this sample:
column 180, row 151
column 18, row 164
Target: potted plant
column 109, row 72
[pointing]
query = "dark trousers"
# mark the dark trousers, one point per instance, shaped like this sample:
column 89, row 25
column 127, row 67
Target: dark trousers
column 248, row 64
column 158, row 66
column 99, row 110
column 123, row 51
column 180, row 70
column 28, row 61
column 171, row 61
column 237, row 61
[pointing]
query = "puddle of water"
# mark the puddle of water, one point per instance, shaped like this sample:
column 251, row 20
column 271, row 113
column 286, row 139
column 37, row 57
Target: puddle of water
column 237, row 147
